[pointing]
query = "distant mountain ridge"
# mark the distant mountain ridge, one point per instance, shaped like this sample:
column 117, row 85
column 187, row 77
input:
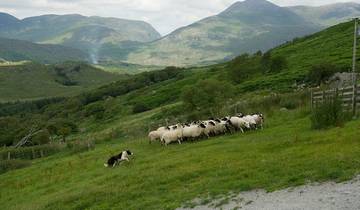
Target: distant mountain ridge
column 246, row 26
column 328, row 15
column 77, row 31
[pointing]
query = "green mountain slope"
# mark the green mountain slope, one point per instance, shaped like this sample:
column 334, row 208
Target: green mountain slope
column 246, row 26
column 86, row 33
column 286, row 153
column 330, row 46
column 17, row 50
column 329, row 14
column 34, row 81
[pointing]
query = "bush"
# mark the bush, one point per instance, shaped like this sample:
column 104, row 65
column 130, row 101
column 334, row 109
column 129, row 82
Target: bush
column 320, row 73
column 41, row 138
column 278, row 64
column 328, row 114
column 140, row 107
column 8, row 165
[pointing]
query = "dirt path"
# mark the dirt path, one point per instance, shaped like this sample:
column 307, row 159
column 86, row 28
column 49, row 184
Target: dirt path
column 326, row 196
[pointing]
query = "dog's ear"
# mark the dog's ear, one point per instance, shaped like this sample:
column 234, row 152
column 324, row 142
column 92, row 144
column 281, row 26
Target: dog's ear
column 129, row 152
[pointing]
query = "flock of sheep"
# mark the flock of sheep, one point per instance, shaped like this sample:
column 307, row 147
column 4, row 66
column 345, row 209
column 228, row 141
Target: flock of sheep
column 205, row 129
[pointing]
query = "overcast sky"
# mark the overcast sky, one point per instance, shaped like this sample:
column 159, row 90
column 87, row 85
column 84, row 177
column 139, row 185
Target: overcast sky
column 164, row 15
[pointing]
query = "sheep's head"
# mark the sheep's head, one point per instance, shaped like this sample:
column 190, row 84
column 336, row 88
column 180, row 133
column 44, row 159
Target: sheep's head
column 202, row 125
column 240, row 115
column 247, row 125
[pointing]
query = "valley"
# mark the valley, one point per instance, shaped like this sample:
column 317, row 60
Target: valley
column 76, row 90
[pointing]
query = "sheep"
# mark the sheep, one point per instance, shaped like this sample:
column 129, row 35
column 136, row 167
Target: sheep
column 172, row 135
column 210, row 128
column 251, row 119
column 259, row 119
column 256, row 120
column 193, row 131
column 221, row 126
column 239, row 123
column 156, row 135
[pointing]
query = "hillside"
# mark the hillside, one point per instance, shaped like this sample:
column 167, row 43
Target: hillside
column 118, row 115
column 35, row 81
column 85, row 33
column 17, row 50
column 328, row 15
column 246, row 26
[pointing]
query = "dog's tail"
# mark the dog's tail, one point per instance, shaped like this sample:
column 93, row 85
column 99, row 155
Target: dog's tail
column 106, row 165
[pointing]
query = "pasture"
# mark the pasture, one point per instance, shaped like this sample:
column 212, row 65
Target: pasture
column 286, row 153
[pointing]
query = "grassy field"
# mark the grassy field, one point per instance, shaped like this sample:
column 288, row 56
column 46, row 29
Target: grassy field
column 25, row 81
column 286, row 153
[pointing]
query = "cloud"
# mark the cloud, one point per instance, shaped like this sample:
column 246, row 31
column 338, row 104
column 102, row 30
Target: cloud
column 164, row 15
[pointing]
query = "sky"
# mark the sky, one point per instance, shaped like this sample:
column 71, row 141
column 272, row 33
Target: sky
column 164, row 15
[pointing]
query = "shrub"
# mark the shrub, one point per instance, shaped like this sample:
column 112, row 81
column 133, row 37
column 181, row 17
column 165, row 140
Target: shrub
column 7, row 165
column 278, row 64
column 140, row 107
column 320, row 73
column 41, row 138
column 328, row 114
column 94, row 109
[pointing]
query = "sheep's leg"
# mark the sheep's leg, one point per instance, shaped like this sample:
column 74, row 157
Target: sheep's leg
column 179, row 141
column 242, row 130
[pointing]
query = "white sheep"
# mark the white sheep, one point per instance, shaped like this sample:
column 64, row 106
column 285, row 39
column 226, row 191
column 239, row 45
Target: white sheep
column 220, row 126
column 251, row 119
column 259, row 119
column 156, row 135
column 193, row 131
column 239, row 123
column 172, row 135
column 210, row 128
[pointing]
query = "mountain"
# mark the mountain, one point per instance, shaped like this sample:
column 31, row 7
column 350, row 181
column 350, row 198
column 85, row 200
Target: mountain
column 34, row 81
column 85, row 33
column 246, row 26
column 328, row 15
column 17, row 50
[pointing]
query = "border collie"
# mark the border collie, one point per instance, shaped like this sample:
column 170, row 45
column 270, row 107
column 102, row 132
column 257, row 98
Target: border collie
column 115, row 160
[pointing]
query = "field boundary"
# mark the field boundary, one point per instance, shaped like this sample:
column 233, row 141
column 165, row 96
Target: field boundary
column 349, row 97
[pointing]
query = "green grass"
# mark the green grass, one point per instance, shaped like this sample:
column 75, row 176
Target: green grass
column 25, row 81
column 286, row 153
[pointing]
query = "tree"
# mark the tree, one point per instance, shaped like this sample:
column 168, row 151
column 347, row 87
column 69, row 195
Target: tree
column 64, row 132
column 243, row 67
column 320, row 73
column 278, row 64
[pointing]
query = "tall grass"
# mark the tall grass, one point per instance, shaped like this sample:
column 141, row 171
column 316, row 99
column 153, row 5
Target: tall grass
column 329, row 113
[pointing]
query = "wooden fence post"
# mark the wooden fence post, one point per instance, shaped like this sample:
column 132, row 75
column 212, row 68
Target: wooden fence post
column 9, row 155
column 41, row 153
column 312, row 100
column 354, row 100
column 33, row 153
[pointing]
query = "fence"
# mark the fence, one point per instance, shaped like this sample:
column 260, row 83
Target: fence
column 349, row 96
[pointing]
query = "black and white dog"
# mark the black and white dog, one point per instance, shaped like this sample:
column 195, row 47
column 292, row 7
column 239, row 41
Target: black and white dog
column 114, row 160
